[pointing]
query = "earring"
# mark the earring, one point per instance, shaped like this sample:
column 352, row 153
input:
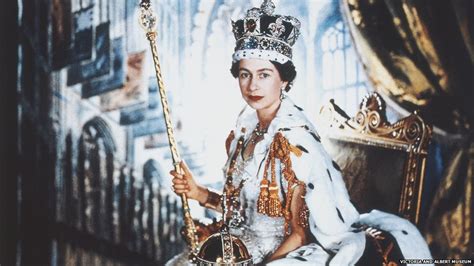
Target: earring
column 282, row 95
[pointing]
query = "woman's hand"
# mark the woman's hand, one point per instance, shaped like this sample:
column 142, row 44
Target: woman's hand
column 184, row 183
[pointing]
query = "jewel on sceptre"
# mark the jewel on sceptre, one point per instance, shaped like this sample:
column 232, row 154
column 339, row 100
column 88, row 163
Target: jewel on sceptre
column 148, row 20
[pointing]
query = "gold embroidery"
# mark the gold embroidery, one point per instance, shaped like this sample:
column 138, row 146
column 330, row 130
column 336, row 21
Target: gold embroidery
column 228, row 141
column 262, row 202
column 304, row 214
column 231, row 192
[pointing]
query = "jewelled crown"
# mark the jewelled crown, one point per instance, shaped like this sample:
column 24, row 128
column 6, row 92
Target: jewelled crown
column 263, row 35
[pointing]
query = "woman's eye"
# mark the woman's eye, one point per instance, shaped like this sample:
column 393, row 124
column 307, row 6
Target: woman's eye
column 264, row 75
column 244, row 75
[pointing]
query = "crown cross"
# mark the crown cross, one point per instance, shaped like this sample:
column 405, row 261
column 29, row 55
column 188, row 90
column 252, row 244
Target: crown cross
column 268, row 7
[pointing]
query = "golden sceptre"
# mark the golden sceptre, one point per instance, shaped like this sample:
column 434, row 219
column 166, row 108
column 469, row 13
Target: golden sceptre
column 148, row 21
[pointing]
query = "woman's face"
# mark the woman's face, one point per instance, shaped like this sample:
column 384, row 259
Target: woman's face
column 260, row 84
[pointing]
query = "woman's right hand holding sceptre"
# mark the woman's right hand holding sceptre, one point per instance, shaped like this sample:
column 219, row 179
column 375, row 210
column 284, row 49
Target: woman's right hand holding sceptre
column 185, row 183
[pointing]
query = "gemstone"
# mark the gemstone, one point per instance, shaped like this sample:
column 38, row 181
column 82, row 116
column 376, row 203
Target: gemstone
column 148, row 20
column 251, row 25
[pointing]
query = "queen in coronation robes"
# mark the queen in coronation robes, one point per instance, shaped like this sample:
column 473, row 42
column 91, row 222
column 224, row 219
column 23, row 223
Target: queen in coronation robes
column 284, row 197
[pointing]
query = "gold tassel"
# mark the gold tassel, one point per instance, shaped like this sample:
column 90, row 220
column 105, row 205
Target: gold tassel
column 296, row 150
column 262, row 202
column 269, row 202
column 274, row 204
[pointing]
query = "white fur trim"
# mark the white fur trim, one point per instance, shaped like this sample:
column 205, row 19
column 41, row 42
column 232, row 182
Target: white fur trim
column 409, row 239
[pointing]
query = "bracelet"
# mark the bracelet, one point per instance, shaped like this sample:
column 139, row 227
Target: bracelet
column 213, row 200
column 304, row 216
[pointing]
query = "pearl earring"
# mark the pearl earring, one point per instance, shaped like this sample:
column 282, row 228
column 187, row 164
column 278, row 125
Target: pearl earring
column 282, row 95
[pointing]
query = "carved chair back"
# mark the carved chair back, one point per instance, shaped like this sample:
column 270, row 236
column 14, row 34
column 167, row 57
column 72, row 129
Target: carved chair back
column 383, row 164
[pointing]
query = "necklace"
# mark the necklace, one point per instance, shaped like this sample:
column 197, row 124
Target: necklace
column 259, row 132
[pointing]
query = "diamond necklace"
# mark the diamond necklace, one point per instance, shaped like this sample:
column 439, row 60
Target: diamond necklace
column 259, row 132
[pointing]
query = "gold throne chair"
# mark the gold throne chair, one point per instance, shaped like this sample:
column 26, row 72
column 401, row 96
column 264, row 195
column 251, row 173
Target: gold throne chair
column 383, row 164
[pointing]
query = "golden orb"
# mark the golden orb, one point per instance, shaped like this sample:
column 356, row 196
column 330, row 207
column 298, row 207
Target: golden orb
column 223, row 249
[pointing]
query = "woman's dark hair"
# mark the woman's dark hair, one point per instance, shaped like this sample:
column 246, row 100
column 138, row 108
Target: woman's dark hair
column 287, row 72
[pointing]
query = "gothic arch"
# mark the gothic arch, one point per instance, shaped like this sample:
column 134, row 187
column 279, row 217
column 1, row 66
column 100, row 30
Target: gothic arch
column 152, row 172
column 98, row 128
column 221, row 12
column 338, row 72
column 95, row 172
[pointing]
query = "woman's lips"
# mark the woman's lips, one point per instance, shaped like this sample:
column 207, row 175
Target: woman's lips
column 255, row 98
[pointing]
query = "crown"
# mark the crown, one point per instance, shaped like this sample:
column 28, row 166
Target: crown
column 262, row 35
